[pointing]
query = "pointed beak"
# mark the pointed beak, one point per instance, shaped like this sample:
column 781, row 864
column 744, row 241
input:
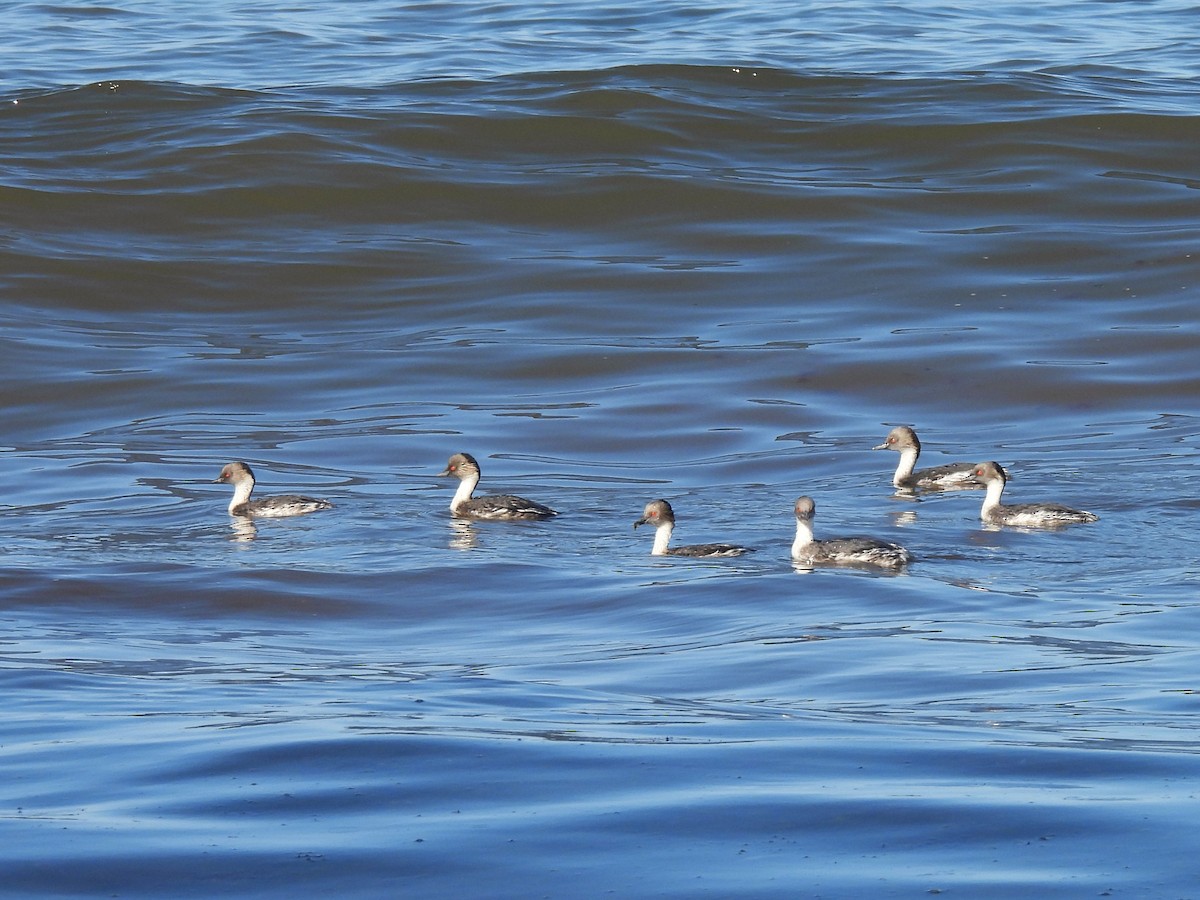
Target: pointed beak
column 642, row 521
column 443, row 473
column 880, row 447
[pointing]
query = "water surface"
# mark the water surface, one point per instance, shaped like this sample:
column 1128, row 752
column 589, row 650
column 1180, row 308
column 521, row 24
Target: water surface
column 617, row 253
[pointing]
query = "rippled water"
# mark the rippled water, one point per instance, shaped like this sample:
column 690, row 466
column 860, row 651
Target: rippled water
column 618, row 253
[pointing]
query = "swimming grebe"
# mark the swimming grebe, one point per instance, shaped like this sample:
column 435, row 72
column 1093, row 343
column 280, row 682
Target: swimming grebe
column 242, row 478
column 1029, row 515
column 951, row 476
column 841, row 551
column 659, row 514
column 496, row 506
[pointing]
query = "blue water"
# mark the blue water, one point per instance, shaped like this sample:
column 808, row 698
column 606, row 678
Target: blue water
column 617, row 253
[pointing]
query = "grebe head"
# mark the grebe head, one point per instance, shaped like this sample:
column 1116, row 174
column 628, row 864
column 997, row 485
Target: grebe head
column 461, row 465
column 987, row 472
column 900, row 438
column 234, row 473
column 805, row 509
column 657, row 512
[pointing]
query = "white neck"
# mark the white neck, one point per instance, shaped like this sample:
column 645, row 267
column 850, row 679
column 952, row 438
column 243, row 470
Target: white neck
column 662, row 537
column 241, row 493
column 992, row 498
column 466, row 487
column 804, row 537
column 908, row 462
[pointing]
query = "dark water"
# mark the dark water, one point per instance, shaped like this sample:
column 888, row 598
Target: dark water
column 617, row 252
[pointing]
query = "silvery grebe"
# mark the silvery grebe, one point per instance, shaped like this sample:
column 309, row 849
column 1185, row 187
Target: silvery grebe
column 841, row 551
column 1029, row 515
column 495, row 506
column 242, row 478
column 659, row 514
column 950, row 476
